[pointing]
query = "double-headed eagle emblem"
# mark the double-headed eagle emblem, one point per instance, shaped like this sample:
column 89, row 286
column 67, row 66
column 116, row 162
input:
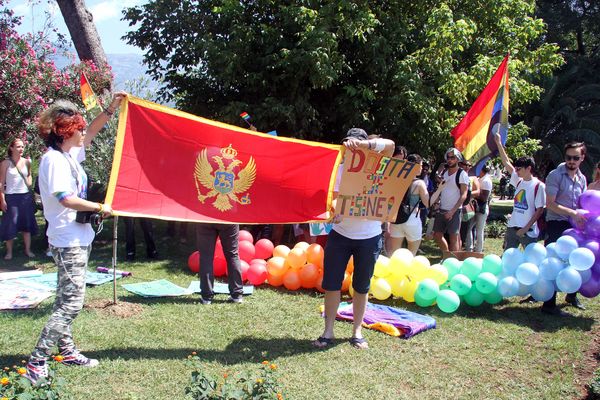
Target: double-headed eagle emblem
column 222, row 182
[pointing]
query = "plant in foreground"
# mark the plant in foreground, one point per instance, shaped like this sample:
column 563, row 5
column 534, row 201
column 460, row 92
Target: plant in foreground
column 14, row 384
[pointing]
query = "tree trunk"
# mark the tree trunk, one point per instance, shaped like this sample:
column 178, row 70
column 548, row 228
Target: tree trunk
column 83, row 32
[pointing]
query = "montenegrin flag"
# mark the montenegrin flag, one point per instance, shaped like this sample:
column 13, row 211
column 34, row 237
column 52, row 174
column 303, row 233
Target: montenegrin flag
column 90, row 101
column 473, row 135
column 176, row 166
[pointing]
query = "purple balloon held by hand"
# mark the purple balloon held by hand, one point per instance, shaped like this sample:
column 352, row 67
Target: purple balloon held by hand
column 590, row 200
column 592, row 228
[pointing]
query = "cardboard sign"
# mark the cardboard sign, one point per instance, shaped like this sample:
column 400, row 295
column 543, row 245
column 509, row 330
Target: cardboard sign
column 372, row 185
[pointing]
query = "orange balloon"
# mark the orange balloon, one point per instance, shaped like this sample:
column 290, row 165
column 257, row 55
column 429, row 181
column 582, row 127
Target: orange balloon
column 315, row 254
column 274, row 280
column 346, row 282
column 350, row 266
column 308, row 276
column 276, row 266
column 302, row 245
column 291, row 280
column 297, row 258
column 281, row 251
column 319, row 284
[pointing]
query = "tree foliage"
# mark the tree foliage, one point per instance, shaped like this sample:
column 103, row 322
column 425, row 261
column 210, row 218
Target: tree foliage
column 314, row 68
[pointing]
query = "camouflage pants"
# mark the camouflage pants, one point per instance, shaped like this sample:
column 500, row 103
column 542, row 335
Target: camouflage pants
column 70, row 291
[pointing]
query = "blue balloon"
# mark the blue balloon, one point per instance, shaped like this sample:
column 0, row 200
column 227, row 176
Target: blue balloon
column 542, row 290
column 550, row 267
column 585, row 275
column 551, row 250
column 524, row 290
column 565, row 245
column 527, row 273
column 511, row 259
column 568, row 280
column 581, row 259
column 508, row 286
column 535, row 253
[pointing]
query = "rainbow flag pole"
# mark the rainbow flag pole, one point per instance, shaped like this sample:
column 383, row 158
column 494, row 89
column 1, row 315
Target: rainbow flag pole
column 88, row 97
column 488, row 114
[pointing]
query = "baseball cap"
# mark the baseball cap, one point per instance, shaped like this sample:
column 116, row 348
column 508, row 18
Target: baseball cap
column 454, row 151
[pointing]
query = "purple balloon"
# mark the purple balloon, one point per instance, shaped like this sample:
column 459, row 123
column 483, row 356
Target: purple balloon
column 590, row 200
column 579, row 211
column 576, row 234
column 592, row 228
column 594, row 246
column 591, row 288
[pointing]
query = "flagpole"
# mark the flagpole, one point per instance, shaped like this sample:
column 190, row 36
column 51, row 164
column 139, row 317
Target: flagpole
column 114, row 258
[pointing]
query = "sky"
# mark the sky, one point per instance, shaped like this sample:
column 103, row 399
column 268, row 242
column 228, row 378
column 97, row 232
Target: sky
column 107, row 18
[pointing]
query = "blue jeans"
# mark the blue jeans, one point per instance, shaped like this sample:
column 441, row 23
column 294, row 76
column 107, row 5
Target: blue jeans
column 338, row 251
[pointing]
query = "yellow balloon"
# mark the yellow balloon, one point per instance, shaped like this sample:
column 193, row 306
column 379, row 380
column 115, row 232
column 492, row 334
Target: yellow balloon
column 302, row 245
column 409, row 290
column 422, row 260
column 382, row 267
column 403, row 254
column 439, row 273
column 398, row 266
column 397, row 286
column 381, row 289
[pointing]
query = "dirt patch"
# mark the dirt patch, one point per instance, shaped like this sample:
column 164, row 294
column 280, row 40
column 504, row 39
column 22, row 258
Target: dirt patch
column 122, row 309
column 590, row 362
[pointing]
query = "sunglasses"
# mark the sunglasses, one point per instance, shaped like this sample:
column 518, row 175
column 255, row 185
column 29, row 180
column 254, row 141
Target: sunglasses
column 572, row 158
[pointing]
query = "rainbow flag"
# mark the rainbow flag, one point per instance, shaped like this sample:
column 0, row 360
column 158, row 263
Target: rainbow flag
column 488, row 114
column 245, row 116
column 90, row 101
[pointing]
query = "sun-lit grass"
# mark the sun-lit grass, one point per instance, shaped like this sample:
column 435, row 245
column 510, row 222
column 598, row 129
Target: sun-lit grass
column 508, row 351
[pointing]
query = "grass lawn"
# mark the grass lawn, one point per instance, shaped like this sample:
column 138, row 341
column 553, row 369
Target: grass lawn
column 506, row 351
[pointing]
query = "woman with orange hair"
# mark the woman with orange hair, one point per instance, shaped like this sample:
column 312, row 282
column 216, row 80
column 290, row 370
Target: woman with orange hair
column 63, row 188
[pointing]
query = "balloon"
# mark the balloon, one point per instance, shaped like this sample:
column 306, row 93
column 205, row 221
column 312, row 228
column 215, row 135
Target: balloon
column 274, row 280
column 460, row 284
column 421, row 261
column 410, row 287
column 219, row 266
column 543, row 290
column 474, row 298
column 291, row 280
column 568, row 280
column 534, row 253
column 347, row 282
column 381, row 289
column 508, row 286
column 439, row 273
column 194, row 262
column 486, row 282
column 258, row 261
column 219, row 249
column 276, row 266
column 492, row 263
column 257, row 274
column 302, row 245
column 309, row 275
column 245, row 236
column 565, row 245
column 585, row 275
column 315, row 254
column 492, row 298
column 591, row 288
column 246, row 251
column 452, row 265
column 281, row 251
column 403, row 254
column 550, row 267
column 594, row 246
column 550, row 250
column 263, row 249
column 471, row 267
column 350, row 265
column 296, row 258
column 590, row 200
column 428, row 289
column 524, row 290
column 382, row 267
column 527, row 273
column 244, row 266
column 448, row 301
column 421, row 302
column 511, row 259
column 319, row 284
column 397, row 287
column 581, row 259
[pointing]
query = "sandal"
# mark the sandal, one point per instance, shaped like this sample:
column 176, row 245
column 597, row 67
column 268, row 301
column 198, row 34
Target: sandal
column 359, row 343
column 322, row 342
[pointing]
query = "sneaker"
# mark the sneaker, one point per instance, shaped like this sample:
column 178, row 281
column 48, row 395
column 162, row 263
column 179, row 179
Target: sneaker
column 74, row 357
column 574, row 301
column 236, row 300
column 205, row 302
column 36, row 371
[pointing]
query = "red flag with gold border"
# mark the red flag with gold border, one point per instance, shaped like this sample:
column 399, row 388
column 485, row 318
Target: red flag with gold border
column 173, row 165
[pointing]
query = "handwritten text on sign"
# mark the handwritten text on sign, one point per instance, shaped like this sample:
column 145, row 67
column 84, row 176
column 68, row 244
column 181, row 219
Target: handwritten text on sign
column 372, row 185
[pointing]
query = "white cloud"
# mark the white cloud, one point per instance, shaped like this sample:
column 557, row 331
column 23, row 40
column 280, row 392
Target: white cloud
column 105, row 10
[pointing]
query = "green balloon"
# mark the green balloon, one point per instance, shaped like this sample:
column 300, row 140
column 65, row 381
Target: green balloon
column 492, row 263
column 460, row 284
column 471, row 267
column 493, row 297
column 428, row 289
column 452, row 265
column 486, row 282
column 422, row 302
column 474, row 298
column 448, row 301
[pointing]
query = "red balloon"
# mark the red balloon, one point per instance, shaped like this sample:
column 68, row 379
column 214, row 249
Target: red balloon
column 219, row 266
column 194, row 262
column 264, row 249
column 245, row 268
column 246, row 251
column 258, row 261
column 219, row 249
column 257, row 274
column 245, row 236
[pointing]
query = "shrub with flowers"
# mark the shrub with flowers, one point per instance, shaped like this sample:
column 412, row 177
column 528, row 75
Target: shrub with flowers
column 14, row 385
column 228, row 386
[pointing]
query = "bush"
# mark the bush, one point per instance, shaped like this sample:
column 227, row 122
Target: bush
column 594, row 386
column 495, row 229
column 14, row 385
column 242, row 386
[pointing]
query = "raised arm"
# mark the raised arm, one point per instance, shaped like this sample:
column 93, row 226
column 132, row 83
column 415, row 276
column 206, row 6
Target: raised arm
column 503, row 156
column 96, row 125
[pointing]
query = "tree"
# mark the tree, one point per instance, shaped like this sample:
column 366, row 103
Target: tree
column 314, row 68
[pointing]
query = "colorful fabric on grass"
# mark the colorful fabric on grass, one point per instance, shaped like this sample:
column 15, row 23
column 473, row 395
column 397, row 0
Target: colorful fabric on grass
column 488, row 114
column 172, row 165
column 381, row 317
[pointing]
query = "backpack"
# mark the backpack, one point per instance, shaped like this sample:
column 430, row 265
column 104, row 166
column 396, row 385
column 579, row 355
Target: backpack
column 457, row 178
column 405, row 209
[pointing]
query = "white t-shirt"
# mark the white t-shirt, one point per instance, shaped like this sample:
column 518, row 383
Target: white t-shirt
column 56, row 174
column 485, row 183
column 354, row 228
column 451, row 193
column 523, row 201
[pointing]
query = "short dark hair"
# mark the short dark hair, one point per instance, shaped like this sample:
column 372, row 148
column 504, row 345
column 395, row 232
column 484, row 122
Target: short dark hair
column 525, row 162
column 400, row 150
column 414, row 158
column 576, row 145
column 485, row 168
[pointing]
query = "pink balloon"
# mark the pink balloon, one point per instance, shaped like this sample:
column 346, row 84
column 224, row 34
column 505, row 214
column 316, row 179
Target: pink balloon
column 245, row 268
column 219, row 266
column 257, row 274
column 219, row 249
column 246, row 250
column 245, row 236
column 264, row 249
column 258, row 261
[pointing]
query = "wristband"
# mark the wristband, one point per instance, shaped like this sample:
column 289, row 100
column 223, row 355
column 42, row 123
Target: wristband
column 369, row 144
column 107, row 112
column 379, row 145
column 101, row 210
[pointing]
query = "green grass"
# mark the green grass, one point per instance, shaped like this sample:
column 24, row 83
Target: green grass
column 507, row 351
